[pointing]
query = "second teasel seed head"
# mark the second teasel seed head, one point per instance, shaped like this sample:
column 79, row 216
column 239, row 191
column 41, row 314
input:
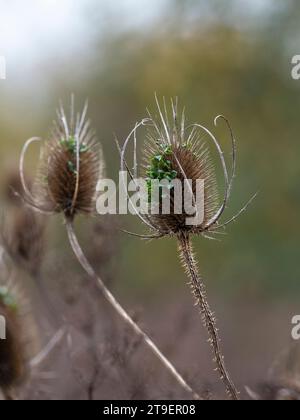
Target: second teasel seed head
column 70, row 167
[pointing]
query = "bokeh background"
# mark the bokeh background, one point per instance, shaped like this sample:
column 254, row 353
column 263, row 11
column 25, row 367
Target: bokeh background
column 231, row 58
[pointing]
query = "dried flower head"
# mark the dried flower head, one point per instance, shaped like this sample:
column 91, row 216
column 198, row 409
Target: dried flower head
column 180, row 160
column 172, row 151
column 71, row 165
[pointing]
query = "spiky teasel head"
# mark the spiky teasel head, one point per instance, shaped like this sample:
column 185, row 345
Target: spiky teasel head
column 174, row 151
column 180, row 158
column 71, row 165
column 18, row 346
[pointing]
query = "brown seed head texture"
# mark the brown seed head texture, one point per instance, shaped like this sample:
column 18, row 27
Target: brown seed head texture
column 71, row 165
column 188, row 161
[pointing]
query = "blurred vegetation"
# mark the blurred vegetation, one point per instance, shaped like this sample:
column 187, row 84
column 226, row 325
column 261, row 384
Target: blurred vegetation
column 218, row 60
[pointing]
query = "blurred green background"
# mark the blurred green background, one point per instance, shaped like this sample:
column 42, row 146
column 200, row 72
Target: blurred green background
column 231, row 58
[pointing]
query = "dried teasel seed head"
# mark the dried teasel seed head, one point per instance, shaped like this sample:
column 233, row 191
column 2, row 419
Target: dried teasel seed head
column 71, row 165
column 175, row 152
column 181, row 160
column 15, row 349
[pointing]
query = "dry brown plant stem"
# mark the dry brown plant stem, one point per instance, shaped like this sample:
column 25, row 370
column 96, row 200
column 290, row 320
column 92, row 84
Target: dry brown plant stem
column 122, row 313
column 208, row 318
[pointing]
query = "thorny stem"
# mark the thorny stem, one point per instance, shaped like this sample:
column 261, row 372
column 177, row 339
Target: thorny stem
column 209, row 321
column 119, row 309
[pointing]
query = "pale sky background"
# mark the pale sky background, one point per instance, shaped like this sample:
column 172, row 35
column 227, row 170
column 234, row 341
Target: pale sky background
column 34, row 28
column 34, row 33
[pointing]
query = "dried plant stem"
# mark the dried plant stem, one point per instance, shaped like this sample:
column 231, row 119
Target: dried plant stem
column 123, row 314
column 209, row 321
column 47, row 350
